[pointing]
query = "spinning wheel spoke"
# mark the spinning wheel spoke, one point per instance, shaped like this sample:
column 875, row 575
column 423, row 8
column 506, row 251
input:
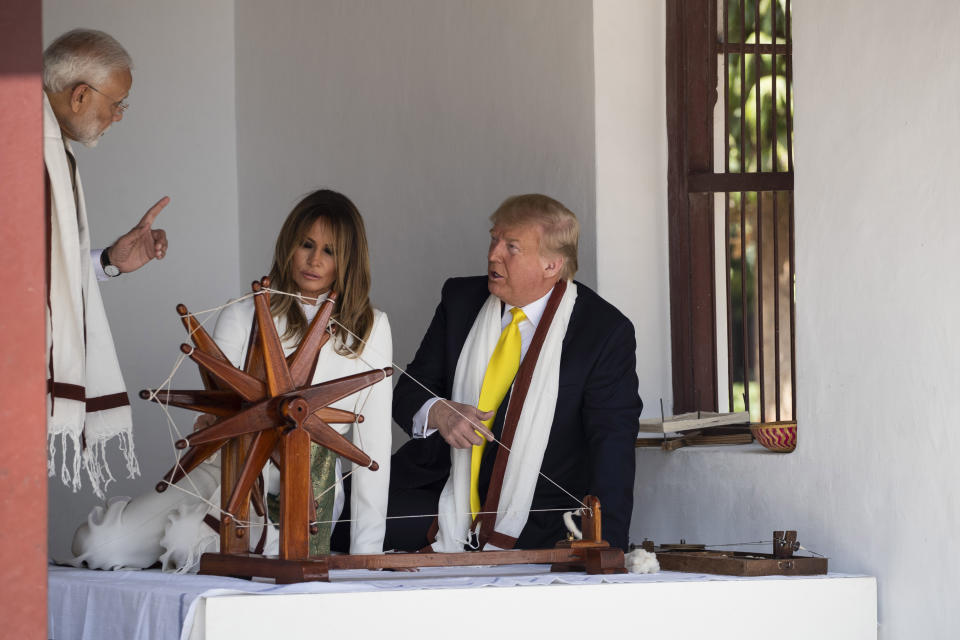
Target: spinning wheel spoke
column 275, row 458
column 263, row 444
column 250, row 388
column 325, row 436
column 337, row 416
column 326, row 393
column 278, row 374
column 258, row 417
column 303, row 362
column 253, row 363
column 189, row 461
column 203, row 341
column 218, row 403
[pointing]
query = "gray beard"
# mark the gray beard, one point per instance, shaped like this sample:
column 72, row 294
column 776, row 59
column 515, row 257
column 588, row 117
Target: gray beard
column 92, row 142
column 86, row 133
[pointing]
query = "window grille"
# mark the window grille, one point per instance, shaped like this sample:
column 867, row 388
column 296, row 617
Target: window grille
column 731, row 168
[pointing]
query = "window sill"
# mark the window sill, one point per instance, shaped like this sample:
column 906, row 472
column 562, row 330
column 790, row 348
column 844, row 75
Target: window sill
column 695, row 439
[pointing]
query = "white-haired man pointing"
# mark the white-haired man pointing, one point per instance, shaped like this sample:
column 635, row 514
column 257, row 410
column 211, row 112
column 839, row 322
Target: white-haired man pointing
column 86, row 82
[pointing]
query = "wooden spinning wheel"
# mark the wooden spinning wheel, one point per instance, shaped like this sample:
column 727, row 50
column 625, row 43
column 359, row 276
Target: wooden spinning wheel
column 268, row 410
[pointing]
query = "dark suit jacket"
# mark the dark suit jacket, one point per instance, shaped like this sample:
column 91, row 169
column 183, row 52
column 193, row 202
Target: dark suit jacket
column 591, row 444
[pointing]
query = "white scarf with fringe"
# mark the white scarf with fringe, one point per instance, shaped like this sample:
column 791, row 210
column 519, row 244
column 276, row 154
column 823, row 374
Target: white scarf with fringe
column 533, row 428
column 87, row 404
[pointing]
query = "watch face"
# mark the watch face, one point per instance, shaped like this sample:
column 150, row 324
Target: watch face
column 111, row 270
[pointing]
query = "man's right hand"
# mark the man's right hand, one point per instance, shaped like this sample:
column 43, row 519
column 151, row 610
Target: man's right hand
column 141, row 244
column 459, row 424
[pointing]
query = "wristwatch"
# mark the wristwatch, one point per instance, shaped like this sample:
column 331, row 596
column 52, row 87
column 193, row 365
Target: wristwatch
column 110, row 269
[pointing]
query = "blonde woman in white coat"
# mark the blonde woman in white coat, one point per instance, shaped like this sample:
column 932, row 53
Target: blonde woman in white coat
column 322, row 246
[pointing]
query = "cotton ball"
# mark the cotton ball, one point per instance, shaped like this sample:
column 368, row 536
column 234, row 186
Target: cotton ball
column 640, row 561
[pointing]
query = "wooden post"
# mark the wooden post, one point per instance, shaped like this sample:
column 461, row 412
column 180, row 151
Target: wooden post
column 295, row 477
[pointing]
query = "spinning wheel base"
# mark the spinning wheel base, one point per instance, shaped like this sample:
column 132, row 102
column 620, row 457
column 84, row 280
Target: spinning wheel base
column 597, row 558
column 248, row 565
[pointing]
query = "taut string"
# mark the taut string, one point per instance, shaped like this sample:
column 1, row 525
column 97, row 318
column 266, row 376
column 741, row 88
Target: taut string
column 176, row 434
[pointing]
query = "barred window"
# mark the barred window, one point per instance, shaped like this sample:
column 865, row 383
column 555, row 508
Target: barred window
column 730, row 200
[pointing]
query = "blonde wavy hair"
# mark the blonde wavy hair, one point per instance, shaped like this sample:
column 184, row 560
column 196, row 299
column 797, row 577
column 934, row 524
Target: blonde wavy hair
column 560, row 228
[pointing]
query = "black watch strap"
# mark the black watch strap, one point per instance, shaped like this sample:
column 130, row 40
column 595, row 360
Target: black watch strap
column 108, row 268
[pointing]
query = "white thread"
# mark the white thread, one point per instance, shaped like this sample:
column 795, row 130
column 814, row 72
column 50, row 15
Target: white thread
column 810, row 551
column 471, row 537
column 436, row 515
column 172, row 426
column 571, row 525
column 740, row 544
column 452, row 408
column 758, row 542
column 211, row 310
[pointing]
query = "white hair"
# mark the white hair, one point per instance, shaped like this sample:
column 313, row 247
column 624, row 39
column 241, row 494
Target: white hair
column 82, row 55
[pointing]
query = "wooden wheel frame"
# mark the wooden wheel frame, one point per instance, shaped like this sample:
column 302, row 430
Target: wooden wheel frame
column 266, row 411
column 270, row 411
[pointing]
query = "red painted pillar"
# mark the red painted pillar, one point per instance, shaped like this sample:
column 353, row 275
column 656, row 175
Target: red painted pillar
column 23, row 468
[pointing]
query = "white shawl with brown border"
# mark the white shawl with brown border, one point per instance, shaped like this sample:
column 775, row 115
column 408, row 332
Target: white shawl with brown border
column 533, row 428
column 87, row 404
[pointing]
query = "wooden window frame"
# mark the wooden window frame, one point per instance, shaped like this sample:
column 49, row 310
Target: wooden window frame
column 693, row 45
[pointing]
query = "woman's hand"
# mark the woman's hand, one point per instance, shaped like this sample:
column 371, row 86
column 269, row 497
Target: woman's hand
column 204, row 420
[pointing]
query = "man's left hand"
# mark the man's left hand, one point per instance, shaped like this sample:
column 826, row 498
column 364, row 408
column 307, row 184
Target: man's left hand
column 141, row 244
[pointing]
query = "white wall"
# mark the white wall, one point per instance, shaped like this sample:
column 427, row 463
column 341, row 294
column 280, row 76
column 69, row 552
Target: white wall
column 433, row 124
column 631, row 144
column 873, row 482
column 177, row 139
column 427, row 113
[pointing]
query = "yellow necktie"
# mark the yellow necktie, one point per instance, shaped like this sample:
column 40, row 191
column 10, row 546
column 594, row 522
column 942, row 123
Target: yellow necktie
column 501, row 370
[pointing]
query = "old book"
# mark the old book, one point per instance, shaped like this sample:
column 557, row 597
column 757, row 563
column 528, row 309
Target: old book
column 693, row 420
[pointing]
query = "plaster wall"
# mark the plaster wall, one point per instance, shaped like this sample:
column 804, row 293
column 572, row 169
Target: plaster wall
column 426, row 113
column 631, row 151
column 426, row 143
column 177, row 139
column 873, row 482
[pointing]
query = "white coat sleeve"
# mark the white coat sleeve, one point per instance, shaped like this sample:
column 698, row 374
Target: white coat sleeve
column 232, row 332
column 368, row 499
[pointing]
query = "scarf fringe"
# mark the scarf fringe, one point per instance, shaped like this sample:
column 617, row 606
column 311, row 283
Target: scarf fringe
column 93, row 459
column 129, row 455
column 69, row 476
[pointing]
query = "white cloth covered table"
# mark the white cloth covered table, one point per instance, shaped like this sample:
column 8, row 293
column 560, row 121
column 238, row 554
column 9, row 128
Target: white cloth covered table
column 128, row 605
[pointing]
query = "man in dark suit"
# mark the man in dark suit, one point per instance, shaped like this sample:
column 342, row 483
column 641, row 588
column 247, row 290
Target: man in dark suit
column 590, row 443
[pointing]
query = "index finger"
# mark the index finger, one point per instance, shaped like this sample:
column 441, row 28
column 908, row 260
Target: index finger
column 154, row 211
column 483, row 431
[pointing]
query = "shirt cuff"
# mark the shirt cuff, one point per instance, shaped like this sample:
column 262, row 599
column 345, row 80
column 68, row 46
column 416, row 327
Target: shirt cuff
column 97, row 266
column 420, row 429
